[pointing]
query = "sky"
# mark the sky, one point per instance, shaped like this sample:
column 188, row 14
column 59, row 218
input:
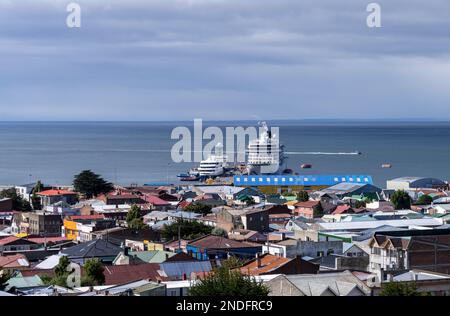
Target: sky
column 224, row 60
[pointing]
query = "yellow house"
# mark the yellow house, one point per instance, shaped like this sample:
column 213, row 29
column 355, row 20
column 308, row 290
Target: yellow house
column 70, row 229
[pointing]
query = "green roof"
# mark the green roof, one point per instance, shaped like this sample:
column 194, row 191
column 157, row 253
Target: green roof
column 152, row 256
column 24, row 282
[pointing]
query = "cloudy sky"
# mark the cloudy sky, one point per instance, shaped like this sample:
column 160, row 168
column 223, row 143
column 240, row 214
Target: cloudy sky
column 224, row 59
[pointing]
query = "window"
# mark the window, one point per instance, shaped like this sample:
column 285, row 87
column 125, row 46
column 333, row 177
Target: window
column 320, row 254
column 330, row 251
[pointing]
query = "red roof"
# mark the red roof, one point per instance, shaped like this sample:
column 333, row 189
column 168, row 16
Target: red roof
column 121, row 274
column 156, row 200
column 307, row 204
column 41, row 240
column 217, row 242
column 13, row 261
column 54, row 192
column 87, row 217
column 341, row 209
column 268, row 263
column 7, row 240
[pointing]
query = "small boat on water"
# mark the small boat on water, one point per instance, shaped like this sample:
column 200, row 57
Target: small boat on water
column 306, row 166
column 288, row 171
column 386, row 165
column 183, row 175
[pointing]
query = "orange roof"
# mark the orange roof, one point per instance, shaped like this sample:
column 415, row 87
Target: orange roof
column 54, row 192
column 268, row 263
column 341, row 209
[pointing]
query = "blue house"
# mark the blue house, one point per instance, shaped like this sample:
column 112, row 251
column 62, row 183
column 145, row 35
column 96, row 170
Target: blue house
column 216, row 247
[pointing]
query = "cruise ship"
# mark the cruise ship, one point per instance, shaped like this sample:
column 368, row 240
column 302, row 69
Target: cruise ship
column 214, row 165
column 265, row 154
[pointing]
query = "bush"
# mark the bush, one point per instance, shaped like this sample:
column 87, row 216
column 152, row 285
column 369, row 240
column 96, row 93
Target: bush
column 225, row 282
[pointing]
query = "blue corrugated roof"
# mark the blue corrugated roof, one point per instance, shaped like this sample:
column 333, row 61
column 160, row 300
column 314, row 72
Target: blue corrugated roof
column 301, row 180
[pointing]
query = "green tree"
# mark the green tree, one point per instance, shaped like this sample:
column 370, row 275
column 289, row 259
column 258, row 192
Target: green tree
column 38, row 187
column 424, row 200
column 134, row 218
column 302, row 196
column 18, row 203
column 36, row 202
column 91, row 184
column 198, row 208
column 219, row 232
column 359, row 203
column 4, row 280
column 61, row 267
column 399, row 289
column 226, row 282
column 401, row 200
column 188, row 229
column 93, row 273
column 318, row 210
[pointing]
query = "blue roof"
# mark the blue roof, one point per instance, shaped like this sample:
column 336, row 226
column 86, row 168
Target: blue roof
column 300, row 180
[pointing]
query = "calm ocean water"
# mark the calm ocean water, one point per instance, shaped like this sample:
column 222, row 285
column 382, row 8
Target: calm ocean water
column 139, row 152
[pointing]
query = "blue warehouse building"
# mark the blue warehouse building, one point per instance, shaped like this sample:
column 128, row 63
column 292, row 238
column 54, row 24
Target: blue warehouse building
column 270, row 184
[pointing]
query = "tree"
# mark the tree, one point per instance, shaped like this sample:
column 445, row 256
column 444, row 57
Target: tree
column 18, row 203
column 359, row 203
column 187, row 229
column 425, row 200
column 61, row 267
column 36, row 202
column 198, row 208
column 225, row 282
column 219, row 232
column 399, row 289
column 93, row 273
column 91, row 184
column 4, row 280
column 318, row 210
column 134, row 218
column 302, row 196
column 401, row 200
column 38, row 187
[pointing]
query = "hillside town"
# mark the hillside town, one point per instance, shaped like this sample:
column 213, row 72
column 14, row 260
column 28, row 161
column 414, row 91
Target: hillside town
column 298, row 235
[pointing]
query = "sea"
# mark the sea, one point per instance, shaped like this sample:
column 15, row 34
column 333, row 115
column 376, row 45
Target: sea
column 139, row 152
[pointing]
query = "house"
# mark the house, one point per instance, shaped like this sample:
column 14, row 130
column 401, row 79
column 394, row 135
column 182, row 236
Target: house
column 118, row 199
column 216, row 247
column 249, row 219
column 6, row 205
column 121, row 274
column 157, row 203
column 346, row 189
column 326, row 284
column 119, row 236
column 270, row 264
column 152, row 256
column 10, row 263
column 407, row 183
column 247, row 235
column 52, row 196
column 81, row 227
column 308, row 209
column 100, row 249
column 410, row 249
column 37, row 223
column 13, row 243
column 291, row 248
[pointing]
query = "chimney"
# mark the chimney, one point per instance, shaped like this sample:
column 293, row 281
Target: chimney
column 167, row 256
column 184, row 277
column 258, row 260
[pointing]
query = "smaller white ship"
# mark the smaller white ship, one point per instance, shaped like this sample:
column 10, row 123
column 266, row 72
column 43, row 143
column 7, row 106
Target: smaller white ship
column 214, row 165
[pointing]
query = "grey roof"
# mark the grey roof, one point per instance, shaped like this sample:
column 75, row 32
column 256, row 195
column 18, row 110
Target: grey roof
column 339, row 284
column 92, row 249
column 173, row 269
column 368, row 233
